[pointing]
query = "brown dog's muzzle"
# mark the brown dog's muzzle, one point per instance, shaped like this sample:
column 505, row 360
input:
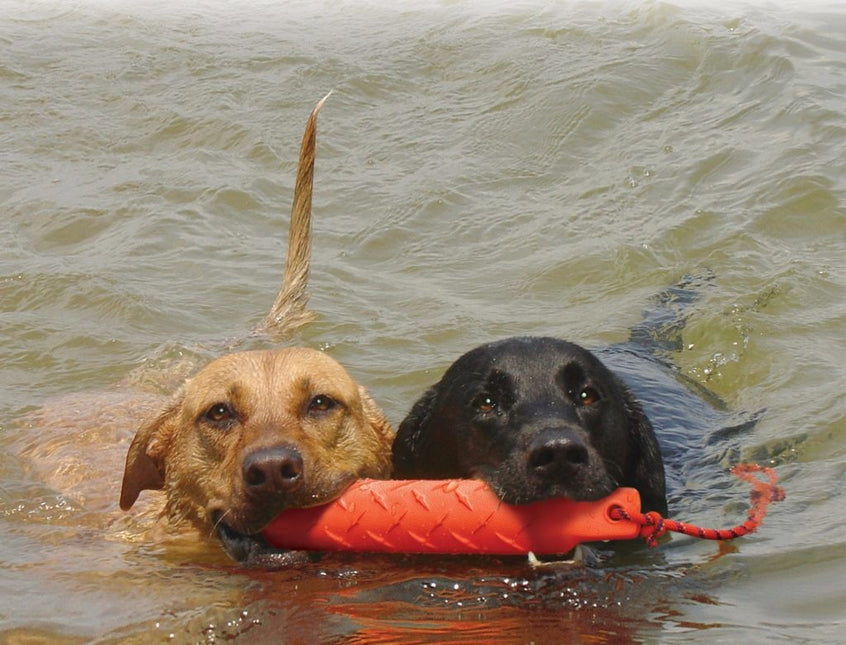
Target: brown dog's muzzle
column 270, row 476
column 272, row 471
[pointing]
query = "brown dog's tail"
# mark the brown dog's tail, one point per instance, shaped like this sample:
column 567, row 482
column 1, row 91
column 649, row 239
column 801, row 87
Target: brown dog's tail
column 290, row 310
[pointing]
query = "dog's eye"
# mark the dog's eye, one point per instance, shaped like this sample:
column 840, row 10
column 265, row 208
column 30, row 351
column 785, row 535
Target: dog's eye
column 588, row 396
column 484, row 403
column 321, row 403
column 219, row 414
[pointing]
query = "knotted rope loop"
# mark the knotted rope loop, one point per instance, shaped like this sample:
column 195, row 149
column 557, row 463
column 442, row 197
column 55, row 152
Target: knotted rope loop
column 653, row 526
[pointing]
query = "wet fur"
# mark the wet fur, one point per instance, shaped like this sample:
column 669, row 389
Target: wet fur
column 534, row 418
column 253, row 403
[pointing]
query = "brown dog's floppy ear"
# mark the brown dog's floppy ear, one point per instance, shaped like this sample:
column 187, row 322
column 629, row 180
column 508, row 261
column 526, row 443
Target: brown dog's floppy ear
column 379, row 422
column 145, row 459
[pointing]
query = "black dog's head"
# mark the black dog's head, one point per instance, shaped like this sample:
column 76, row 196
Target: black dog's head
column 534, row 418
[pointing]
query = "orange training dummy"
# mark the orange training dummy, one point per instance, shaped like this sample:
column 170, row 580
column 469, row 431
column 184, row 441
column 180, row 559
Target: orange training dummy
column 449, row 516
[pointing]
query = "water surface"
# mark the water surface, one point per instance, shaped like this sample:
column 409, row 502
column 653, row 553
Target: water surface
column 484, row 169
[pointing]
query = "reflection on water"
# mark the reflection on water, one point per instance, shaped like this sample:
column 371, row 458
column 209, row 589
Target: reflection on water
column 482, row 171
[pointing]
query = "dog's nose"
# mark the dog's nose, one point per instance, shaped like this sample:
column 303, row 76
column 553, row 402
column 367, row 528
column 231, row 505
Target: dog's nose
column 557, row 454
column 273, row 470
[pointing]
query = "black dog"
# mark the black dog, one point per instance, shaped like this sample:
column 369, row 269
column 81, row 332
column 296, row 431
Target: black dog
column 534, row 418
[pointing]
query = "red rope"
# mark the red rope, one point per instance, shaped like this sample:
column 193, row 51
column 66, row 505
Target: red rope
column 653, row 526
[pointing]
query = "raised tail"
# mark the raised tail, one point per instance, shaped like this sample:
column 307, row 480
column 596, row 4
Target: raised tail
column 290, row 310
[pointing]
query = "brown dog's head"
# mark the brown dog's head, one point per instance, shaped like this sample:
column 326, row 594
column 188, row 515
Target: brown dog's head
column 254, row 433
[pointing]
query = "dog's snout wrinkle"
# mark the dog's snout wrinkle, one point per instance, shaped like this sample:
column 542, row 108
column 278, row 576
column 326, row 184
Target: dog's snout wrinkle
column 273, row 470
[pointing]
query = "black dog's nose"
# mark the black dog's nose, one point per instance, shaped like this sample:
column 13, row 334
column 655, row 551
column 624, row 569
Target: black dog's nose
column 273, row 470
column 557, row 454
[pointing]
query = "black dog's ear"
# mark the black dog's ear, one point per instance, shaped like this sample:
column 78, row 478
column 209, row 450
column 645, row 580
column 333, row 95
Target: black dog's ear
column 411, row 445
column 648, row 476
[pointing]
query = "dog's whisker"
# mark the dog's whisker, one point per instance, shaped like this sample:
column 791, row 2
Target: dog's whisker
column 218, row 520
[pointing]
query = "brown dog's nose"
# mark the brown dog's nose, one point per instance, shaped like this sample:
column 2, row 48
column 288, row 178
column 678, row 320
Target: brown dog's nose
column 273, row 470
column 555, row 454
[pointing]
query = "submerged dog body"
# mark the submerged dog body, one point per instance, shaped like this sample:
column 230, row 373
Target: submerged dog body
column 535, row 418
column 254, row 433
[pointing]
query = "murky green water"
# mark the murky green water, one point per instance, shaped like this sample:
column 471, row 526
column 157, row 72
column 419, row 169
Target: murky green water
column 483, row 170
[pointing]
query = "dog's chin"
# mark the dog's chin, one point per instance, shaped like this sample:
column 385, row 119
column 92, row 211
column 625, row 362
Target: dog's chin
column 521, row 493
column 240, row 533
column 251, row 550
